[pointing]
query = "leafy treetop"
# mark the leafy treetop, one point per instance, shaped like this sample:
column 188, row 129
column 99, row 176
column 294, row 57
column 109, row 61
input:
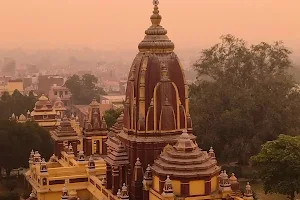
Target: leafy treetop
column 278, row 164
column 17, row 141
column 16, row 103
column 247, row 99
column 84, row 89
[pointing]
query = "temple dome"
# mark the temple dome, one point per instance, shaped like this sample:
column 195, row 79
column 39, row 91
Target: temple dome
column 43, row 104
column 185, row 160
column 156, row 94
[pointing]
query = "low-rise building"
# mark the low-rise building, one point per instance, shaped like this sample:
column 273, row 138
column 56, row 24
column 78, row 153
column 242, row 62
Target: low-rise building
column 62, row 92
column 16, row 84
column 116, row 100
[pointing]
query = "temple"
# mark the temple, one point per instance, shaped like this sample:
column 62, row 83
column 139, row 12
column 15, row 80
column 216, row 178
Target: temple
column 149, row 154
column 44, row 113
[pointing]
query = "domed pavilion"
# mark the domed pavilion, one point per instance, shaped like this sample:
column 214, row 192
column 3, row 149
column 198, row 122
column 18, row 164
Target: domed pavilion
column 44, row 113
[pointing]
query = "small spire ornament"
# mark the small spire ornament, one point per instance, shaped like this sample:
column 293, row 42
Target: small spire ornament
column 155, row 2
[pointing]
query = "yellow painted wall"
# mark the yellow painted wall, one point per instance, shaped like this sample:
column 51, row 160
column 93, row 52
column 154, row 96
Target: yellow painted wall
column 12, row 86
column 156, row 183
column 83, row 194
column 49, row 196
column 176, row 187
column 197, row 187
column 153, row 197
column 214, row 184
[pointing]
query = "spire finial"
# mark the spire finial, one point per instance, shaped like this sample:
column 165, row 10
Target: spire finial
column 155, row 18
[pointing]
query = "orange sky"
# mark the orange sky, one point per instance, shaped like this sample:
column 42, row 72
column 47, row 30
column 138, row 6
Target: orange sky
column 120, row 24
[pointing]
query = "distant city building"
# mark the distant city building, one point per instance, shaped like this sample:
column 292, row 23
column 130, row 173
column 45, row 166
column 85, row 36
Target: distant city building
column 27, row 81
column 62, row 92
column 5, row 79
column 116, row 100
column 13, row 85
column 46, row 81
column 110, row 86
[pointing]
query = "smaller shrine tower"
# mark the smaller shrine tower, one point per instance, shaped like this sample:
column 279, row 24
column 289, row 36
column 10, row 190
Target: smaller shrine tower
column 95, row 131
column 65, row 138
column 44, row 113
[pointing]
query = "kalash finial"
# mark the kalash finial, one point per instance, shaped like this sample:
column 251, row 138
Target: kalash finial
column 155, row 18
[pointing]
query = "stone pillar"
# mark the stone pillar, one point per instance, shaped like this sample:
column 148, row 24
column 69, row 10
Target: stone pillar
column 108, row 176
column 88, row 146
column 185, row 188
column 104, row 146
column 147, row 183
column 74, row 145
column 137, row 181
column 59, row 149
column 115, row 180
column 207, row 186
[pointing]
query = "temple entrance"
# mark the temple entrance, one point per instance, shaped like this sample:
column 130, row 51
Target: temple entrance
column 97, row 147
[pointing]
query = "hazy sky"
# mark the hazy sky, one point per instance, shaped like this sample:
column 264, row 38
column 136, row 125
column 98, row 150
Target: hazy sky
column 120, row 24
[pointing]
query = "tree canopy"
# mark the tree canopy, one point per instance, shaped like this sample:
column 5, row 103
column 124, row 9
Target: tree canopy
column 84, row 89
column 111, row 116
column 17, row 141
column 248, row 99
column 16, row 103
column 278, row 164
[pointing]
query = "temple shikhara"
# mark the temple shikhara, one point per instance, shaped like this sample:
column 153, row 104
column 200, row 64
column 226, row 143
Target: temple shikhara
column 149, row 154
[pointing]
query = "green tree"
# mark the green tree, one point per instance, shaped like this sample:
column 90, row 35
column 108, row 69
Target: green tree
column 278, row 165
column 10, row 196
column 111, row 116
column 15, row 103
column 248, row 99
column 18, row 139
column 84, row 89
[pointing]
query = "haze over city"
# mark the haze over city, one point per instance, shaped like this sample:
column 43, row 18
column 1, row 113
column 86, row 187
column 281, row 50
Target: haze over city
column 149, row 99
column 119, row 24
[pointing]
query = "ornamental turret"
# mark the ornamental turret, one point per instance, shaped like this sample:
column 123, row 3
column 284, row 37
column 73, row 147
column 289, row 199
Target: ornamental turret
column 43, row 167
column 168, row 189
column 147, row 183
column 37, row 157
column 91, row 164
column 81, row 156
column 124, row 192
column 137, row 181
column 32, row 196
column 211, row 153
column 64, row 193
column 248, row 195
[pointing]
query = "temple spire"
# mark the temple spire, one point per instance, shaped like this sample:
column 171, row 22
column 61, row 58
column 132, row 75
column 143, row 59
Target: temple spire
column 155, row 18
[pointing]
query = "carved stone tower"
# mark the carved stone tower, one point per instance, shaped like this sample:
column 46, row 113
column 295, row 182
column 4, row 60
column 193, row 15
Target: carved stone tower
column 156, row 106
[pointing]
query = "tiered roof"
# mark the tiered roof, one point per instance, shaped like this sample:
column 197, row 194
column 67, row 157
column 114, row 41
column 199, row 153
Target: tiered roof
column 117, row 127
column 118, row 155
column 43, row 105
column 95, row 124
column 185, row 160
column 65, row 129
